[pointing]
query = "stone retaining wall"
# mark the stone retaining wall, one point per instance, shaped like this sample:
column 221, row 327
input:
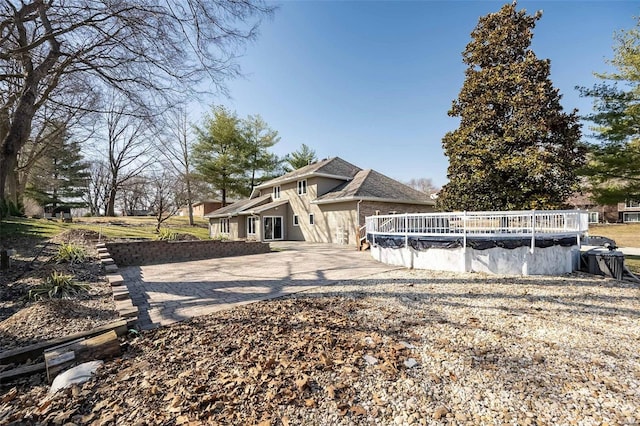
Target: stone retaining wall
column 150, row 252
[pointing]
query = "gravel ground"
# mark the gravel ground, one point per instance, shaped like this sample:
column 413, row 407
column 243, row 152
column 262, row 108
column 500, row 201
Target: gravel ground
column 404, row 347
column 24, row 321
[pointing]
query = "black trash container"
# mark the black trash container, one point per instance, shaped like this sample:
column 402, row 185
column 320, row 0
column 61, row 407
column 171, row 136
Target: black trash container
column 605, row 262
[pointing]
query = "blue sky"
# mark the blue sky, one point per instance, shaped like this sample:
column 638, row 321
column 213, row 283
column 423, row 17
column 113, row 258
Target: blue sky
column 372, row 81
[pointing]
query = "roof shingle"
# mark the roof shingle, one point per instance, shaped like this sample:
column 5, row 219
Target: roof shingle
column 371, row 184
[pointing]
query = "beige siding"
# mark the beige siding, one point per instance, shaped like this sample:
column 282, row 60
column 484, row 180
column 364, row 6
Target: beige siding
column 280, row 211
column 294, row 233
column 330, row 220
column 368, row 208
column 324, row 185
column 214, row 229
column 339, row 220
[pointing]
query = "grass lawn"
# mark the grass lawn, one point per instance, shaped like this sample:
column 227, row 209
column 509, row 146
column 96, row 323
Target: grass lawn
column 112, row 227
column 633, row 263
column 624, row 234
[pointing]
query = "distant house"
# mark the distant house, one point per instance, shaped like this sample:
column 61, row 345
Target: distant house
column 202, row 208
column 629, row 211
column 626, row 212
column 325, row 202
column 597, row 213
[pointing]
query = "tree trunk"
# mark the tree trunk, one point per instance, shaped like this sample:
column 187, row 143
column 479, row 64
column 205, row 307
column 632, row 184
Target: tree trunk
column 12, row 193
column 111, row 208
column 189, row 202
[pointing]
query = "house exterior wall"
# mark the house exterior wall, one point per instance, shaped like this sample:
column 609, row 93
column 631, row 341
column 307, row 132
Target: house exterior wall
column 369, row 208
column 324, row 185
column 234, row 227
column 258, row 234
column 334, row 222
column 629, row 211
column 200, row 209
column 338, row 222
column 280, row 211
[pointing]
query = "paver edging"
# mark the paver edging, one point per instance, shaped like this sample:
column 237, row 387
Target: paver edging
column 121, row 297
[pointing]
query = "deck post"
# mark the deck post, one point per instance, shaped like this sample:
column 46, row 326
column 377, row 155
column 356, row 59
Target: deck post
column 406, row 230
column 464, row 231
column 533, row 230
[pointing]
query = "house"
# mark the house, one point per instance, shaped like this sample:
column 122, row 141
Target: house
column 202, row 208
column 626, row 212
column 629, row 211
column 326, row 201
column 597, row 213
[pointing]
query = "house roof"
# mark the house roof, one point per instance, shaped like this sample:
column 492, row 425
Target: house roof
column 264, row 207
column 371, row 185
column 238, row 206
column 334, row 167
column 206, row 202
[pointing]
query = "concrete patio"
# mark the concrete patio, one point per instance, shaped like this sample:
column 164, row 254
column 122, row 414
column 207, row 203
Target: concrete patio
column 173, row 292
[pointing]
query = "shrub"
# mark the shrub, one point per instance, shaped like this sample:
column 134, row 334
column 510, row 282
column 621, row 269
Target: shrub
column 167, row 235
column 58, row 286
column 70, row 253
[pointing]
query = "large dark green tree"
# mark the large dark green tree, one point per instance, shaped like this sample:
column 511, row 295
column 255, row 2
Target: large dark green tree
column 261, row 164
column 614, row 162
column 58, row 178
column 218, row 152
column 233, row 154
column 515, row 148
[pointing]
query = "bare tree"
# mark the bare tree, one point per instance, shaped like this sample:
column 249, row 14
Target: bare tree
column 146, row 50
column 176, row 148
column 135, row 196
column 166, row 190
column 423, row 185
column 128, row 146
column 97, row 187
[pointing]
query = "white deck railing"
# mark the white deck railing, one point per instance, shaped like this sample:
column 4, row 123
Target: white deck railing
column 522, row 224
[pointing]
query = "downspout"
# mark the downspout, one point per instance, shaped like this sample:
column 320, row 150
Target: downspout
column 358, row 224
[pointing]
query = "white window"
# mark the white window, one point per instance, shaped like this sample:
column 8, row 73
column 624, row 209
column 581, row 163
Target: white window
column 251, row 225
column 631, row 217
column 224, row 226
column 593, row 217
column 302, row 187
column 296, row 220
column 276, row 192
column 632, row 203
column 311, row 219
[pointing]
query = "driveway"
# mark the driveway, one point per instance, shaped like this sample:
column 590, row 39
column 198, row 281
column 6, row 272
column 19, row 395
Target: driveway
column 177, row 291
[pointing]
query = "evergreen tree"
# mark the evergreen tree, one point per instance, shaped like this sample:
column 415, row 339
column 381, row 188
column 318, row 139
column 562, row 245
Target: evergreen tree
column 59, row 177
column 515, row 148
column 614, row 166
column 261, row 165
column 218, row 153
column 300, row 158
column 232, row 154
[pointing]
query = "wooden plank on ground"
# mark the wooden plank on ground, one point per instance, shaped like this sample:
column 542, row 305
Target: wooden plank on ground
column 120, row 293
column 102, row 346
column 110, row 268
column 33, row 351
column 115, row 279
column 25, row 370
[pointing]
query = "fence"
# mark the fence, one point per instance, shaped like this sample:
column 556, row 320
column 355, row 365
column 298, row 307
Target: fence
column 490, row 225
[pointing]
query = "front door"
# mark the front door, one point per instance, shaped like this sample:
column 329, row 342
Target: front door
column 273, row 228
